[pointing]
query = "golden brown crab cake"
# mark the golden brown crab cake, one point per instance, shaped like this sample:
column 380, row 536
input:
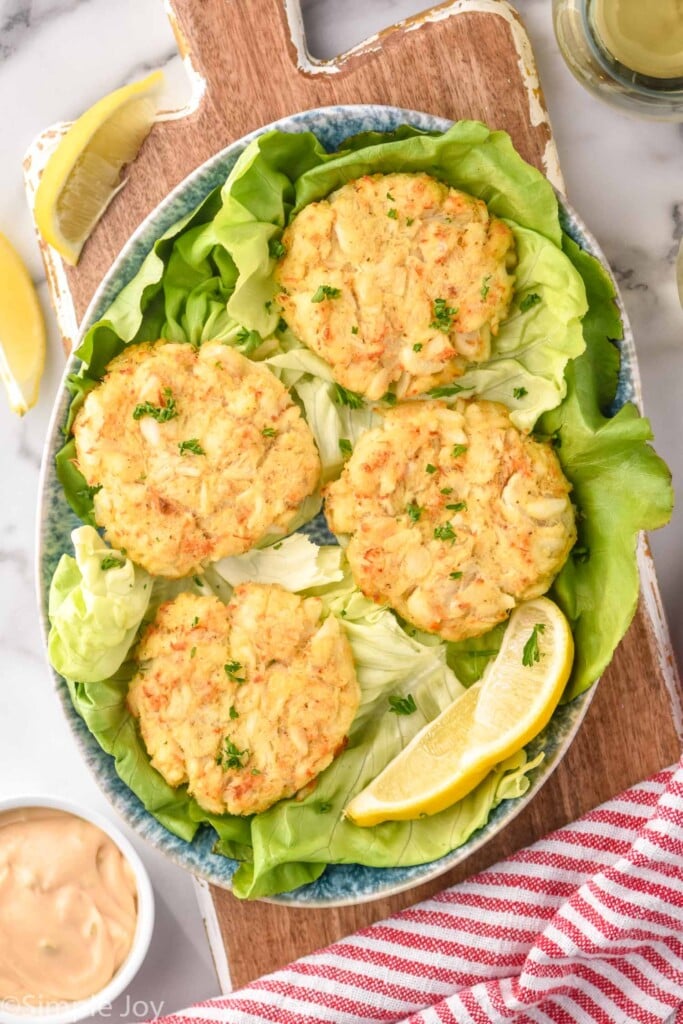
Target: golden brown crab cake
column 396, row 279
column 454, row 516
column 247, row 702
column 197, row 454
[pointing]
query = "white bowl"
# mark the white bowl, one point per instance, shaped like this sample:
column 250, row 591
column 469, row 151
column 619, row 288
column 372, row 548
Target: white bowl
column 12, row 1012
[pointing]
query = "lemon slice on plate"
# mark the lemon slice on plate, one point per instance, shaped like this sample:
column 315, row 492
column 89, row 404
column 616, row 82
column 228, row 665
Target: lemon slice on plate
column 494, row 718
column 22, row 331
column 82, row 175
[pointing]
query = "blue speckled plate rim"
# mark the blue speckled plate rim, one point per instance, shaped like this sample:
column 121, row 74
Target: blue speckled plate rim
column 345, row 883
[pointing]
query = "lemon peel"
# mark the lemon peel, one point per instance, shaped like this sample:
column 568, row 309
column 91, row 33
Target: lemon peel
column 22, row 331
column 494, row 718
column 82, row 175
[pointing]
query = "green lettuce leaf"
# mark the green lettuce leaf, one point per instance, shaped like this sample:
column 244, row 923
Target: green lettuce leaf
column 97, row 601
column 102, row 706
column 468, row 156
column 534, row 345
column 620, row 486
column 530, row 352
column 295, row 563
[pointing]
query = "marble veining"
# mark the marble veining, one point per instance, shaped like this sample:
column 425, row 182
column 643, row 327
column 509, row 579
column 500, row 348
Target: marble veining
column 59, row 56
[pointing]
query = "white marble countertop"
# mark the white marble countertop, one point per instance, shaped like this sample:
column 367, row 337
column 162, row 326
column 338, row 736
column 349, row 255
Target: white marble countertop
column 58, row 57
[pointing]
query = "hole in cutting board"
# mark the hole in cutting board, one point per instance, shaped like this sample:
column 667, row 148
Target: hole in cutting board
column 349, row 22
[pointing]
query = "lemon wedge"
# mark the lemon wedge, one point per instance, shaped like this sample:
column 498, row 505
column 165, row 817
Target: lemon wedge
column 494, row 718
column 22, row 331
column 82, row 175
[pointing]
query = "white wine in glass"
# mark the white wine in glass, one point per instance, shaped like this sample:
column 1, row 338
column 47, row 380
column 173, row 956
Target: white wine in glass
column 628, row 52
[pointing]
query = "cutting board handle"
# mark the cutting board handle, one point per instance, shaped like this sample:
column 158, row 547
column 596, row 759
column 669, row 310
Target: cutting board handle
column 247, row 45
column 254, row 52
column 462, row 59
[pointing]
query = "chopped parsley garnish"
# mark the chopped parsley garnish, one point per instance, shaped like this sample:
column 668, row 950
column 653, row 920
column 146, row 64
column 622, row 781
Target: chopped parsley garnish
column 268, row 305
column 580, row 553
column 458, row 450
column 417, row 347
column 343, row 396
column 459, row 506
column 354, row 329
column 443, row 316
column 390, row 197
column 429, row 468
column 255, row 771
column 282, row 325
column 444, row 532
column 231, row 757
column 345, row 446
column 269, row 431
column 446, row 390
column 529, row 301
column 276, row 249
column 250, row 340
column 112, row 562
column 326, row 291
column 234, row 713
column 231, row 669
column 520, row 392
column 197, row 581
column 446, row 490
column 160, row 413
column 392, row 213
column 402, row 705
column 192, row 445
column 90, row 492
column 455, row 575
column 531, row 653
column 410, row 220
column 193, row 652
column 195, row 622
column 485, row 286
column 413, row 511
column 390, row 398
column 323, row 807
column 276, row 547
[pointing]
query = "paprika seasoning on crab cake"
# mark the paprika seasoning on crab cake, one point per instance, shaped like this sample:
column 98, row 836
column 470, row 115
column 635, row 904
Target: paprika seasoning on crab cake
column 68, row 907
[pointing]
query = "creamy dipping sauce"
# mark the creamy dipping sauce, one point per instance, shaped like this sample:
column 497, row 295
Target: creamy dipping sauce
column 68, row 907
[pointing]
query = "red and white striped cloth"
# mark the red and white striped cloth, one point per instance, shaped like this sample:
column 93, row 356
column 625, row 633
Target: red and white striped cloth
column 586, row 925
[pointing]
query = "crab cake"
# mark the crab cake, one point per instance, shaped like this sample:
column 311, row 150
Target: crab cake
column 246, row 702
column 396, row 279
column 196, row 454
column 454, row 516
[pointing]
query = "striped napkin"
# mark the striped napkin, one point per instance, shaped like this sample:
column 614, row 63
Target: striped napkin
column 586, row 925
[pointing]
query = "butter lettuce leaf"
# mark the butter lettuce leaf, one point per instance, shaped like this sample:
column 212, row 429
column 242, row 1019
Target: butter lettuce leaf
column 620, row 486
column 295, row 563
column 102, row 706
column 531, row 350
column 96, row 604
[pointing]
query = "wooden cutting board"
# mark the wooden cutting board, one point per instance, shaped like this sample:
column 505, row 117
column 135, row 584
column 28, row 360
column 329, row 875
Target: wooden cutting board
column 468, row 59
